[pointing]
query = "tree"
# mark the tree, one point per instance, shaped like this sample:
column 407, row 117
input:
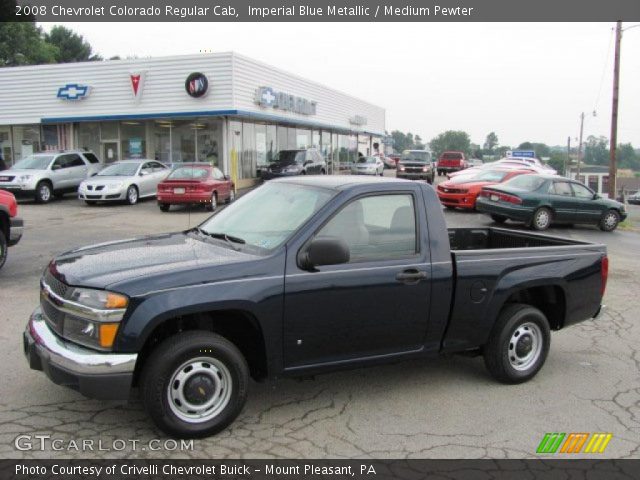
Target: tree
column 71, row 46
column 21, row 43
column 596, row 151
column 402, row 141
column 627, row 157
column 558, row 160
column 491, row 142
column 450, row 140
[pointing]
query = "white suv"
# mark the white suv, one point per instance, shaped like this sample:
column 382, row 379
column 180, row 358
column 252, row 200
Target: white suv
column 43, row 175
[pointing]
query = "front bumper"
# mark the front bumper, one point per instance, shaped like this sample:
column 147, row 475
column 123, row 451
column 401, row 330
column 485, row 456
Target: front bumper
column 414, row 176
column 102, row 196
column 16, row 228
column 460, row 200
column 19, row 191
column 190, row 198
column 105, row 376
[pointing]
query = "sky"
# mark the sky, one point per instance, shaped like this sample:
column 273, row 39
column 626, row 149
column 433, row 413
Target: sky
column 525, row 81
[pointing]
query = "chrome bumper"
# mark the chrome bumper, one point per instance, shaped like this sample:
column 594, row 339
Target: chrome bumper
column 94, row 374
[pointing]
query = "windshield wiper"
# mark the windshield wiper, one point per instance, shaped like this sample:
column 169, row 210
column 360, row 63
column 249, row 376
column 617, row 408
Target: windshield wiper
column 230, row 239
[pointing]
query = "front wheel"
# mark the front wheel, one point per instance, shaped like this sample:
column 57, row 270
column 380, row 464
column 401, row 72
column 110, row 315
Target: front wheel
column 610, row 221
column 232, row 196
column 194, row 384
column 132, row 195
column 44, row 192
column 518, row 344
column 3, row 248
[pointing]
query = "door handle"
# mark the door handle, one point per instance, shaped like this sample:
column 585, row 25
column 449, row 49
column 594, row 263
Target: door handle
column 411, row 276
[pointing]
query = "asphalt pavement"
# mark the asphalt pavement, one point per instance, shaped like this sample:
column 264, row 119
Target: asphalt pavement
column 445, row 408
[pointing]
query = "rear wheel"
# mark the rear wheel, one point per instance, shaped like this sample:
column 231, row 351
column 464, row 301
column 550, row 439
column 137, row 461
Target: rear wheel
column 132, row 195
column 498, row 218
column 194, row 384
column 213, row 204
column 44, row 191
column 3, row 247
column 164, row 207
column 232, row 196
column 518, row 345
column 610, row 221
column 541, row 219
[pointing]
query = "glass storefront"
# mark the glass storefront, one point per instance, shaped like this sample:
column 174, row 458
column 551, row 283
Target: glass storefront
column 6, row 151
column 133, row 142
column 26, row 141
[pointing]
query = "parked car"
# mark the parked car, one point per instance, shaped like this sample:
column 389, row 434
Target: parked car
column 416, row 165
column 301, row 276
column 503, row 164
column 195, row 183
column 451, row 162
column 634, row 199
column 11, row 226
column 462, row 192
column 295, row 162
column 388, row 162
column 540, row 200
column 126, row 180
column 44, row 175
column 368, row 166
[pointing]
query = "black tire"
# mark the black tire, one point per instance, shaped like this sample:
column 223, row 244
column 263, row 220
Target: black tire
column 90, row 202
column 4, row 247
column 450, row 207
column 322, row 172
column 44, row 192
column 609, row 221
column 213, row 204
column 164, row 207
column 132, row 195
column 498, row 218
column 500, row 351
column 164, row 364
column 541, row 219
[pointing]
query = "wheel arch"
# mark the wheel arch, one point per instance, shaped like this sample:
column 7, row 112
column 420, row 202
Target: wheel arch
column 550, row 299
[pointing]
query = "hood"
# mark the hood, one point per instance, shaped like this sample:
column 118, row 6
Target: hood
column 114, row 264
column 106, row 180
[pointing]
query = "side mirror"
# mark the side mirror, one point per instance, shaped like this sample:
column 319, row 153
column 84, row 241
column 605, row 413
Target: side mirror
column 325, row 251
column 596, row 196
column 227, row 177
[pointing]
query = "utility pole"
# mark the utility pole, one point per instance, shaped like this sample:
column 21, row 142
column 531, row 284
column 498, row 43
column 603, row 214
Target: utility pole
column 567, row 162
column 614, row 113
column 580, row 144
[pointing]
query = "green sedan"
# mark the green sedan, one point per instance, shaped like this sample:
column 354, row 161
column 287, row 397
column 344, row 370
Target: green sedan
column 540, row 200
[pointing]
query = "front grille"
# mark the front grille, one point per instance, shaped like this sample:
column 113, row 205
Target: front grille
column 99, row 187
column 56, row 286
column 93, row 197
column 414, row 170
column 4, row 178
column 89, row 187
column 53, row 316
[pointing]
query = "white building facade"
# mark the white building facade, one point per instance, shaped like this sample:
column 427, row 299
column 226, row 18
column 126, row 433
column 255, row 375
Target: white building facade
column 220, row 108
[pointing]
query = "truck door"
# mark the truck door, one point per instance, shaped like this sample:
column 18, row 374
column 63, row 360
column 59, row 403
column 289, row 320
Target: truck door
column 378, row 302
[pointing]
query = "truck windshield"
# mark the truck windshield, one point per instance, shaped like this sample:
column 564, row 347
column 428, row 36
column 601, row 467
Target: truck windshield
column 409, row 156
column 266, row 217
column 36, row 162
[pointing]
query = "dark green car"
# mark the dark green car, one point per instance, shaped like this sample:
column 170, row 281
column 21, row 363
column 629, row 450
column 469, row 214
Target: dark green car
column 540, row 200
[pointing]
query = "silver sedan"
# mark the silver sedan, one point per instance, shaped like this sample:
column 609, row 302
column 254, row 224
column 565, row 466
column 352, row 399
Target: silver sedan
column 368, row 166
column 127, row 180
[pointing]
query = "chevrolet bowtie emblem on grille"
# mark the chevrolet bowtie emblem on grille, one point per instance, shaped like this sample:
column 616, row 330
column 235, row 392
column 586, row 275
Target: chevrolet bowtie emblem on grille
column 73, row 91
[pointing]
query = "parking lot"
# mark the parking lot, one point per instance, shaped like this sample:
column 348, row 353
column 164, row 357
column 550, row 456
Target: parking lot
column 447, row 408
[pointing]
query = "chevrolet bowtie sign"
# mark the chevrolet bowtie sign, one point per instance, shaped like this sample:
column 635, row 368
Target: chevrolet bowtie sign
column 269, row 98
column 73, row 91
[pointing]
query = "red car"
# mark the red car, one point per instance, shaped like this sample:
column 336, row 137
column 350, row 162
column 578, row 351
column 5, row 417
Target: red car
column 462, row 192
column 11, row 225
column 451, row 162
column 195, row 183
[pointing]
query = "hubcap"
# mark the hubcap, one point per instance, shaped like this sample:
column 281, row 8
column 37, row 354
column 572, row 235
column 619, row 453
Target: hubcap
column 199, row 389
column 45, row 193
column 133, row 195
column 542, row 219
column 610, row 220
column 525, row 346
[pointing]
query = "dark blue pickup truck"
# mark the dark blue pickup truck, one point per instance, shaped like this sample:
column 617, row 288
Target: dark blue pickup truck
column 300, row 276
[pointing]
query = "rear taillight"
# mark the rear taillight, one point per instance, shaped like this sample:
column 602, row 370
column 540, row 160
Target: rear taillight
column 604, row 274
column 503, row 197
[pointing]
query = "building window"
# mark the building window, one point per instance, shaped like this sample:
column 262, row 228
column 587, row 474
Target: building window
column 133, row 140
column 161, row 134
column 303, row 138
column 6, row 152
column 109, row 131
column 248, row 166
column 282, row 138
column 26, row 141
column 209, row 141
column 88, row 137
column 272, row 142
column 183, row 141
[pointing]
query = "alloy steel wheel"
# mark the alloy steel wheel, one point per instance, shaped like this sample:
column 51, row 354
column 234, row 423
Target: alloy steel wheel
column 45, row 192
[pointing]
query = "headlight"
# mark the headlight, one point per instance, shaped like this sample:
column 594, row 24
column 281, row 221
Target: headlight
column 24, row 178
column 94, row 321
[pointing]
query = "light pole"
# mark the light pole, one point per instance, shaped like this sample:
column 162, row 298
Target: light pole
column 613, row 169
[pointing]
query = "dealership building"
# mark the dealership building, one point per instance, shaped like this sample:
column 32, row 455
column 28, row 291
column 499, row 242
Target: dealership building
column 220, row 108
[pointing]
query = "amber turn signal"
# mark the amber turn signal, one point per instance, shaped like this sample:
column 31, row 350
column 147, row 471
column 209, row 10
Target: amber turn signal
column 116, row 301
column 108, row 334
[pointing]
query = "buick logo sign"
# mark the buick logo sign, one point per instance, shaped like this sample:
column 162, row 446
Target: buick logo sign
column 196, row 85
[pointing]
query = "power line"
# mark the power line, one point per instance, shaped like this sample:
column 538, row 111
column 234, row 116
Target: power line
column 604, row 69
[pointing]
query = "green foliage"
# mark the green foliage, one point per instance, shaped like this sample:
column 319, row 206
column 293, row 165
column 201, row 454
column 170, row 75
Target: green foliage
column 627, row 157
column 451, row 140
column 71, row 46
column 558, row 160
column 491, row 142
column 402, row 141
column 596, row 151
column 21, row 43
column 541, row 149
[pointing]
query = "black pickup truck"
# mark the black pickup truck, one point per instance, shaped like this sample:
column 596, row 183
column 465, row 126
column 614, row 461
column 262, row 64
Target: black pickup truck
column 300, row 276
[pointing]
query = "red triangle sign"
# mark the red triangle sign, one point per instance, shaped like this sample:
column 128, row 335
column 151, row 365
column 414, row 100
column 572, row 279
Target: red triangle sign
column 135, row 84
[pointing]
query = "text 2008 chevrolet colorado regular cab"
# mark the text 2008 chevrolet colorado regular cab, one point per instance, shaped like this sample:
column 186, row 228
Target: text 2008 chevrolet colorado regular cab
column 300, row 276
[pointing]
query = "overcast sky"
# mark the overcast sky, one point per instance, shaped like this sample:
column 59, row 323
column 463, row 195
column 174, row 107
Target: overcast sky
column 527, row 81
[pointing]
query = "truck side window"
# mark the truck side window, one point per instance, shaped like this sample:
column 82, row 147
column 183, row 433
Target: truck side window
column 381, row 227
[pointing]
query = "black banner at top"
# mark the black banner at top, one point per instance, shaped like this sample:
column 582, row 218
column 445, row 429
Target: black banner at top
column 326, row 10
